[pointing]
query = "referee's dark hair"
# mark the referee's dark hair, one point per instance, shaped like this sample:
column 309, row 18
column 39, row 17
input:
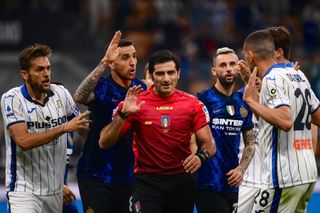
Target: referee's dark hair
column 162, row 56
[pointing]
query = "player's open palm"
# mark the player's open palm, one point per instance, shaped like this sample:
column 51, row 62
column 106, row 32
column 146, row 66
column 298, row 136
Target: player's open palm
column 130, row 104
column 113, row 49
column 251, row 92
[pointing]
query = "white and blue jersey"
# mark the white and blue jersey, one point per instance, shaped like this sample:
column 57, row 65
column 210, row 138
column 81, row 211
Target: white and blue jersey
column 38, row 170
column 115, row 164
column 287, row 157
column 229, row 117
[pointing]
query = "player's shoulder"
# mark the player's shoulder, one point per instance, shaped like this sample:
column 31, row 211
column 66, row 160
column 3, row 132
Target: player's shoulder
column 137, row 81
column 186, row 95
column 58, row 88
column 13, row 92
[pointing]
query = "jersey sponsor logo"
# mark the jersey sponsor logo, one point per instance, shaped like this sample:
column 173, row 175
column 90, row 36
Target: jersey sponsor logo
column 243, row 112
column 230, row 109
column 148, row 122
column 165, row 121
column 164, row 108
column 228, row 125
column 301, row 144
column 50, row 124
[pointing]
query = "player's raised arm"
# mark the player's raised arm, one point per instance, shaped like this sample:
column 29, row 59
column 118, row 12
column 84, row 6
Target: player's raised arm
column 84, row 93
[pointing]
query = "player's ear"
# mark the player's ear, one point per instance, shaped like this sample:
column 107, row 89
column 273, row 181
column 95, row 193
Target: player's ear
column 178, row 73
column 213, row 71
column 24, row 74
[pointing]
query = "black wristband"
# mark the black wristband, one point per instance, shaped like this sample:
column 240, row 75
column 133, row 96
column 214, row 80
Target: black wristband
column 203, row 155
column 122, row 115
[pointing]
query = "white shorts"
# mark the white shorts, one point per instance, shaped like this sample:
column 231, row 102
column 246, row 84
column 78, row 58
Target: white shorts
column 290, row 199
column 246, row 198
column 29, row 203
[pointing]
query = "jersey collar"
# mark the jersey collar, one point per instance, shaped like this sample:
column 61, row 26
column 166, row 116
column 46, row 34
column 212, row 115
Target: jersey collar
column 280, row 65
column 27, row 96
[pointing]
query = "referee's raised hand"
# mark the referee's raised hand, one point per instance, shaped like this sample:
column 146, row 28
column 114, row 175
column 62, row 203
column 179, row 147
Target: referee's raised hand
column 130, row 104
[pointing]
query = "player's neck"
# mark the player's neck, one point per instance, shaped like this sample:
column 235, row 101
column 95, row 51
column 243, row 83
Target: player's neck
column 38, row 96
column 224, row 89
column 120, row 81
column 264, row 65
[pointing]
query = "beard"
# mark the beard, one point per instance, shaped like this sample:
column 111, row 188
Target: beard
column 224, row 82
column 37, row 87
column 122, row 73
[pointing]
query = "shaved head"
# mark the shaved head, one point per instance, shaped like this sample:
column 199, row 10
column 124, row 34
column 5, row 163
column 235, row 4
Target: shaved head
column 260, row 43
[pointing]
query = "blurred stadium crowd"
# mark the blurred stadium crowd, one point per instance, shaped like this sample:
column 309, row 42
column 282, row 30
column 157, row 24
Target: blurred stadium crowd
column 191, row 28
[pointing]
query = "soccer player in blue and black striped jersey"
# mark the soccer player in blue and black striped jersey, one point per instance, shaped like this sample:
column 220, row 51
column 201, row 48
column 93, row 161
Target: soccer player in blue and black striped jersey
column 105, row 176
column 219, row 179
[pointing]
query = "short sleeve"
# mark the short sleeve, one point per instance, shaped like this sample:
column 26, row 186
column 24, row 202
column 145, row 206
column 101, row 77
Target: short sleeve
column 276, row 90
column 12, row 110
column 71, row 107
column 201, row 116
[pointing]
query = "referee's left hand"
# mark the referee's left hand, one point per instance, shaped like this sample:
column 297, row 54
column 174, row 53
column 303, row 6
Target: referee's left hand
column 192, row 163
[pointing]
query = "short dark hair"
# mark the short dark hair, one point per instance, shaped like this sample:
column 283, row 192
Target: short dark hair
column 122, row 43
column 162, row 56
column 261, row 43
column 281, row 38
column 32, row 52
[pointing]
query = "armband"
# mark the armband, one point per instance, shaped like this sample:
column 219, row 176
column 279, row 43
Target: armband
column 203, row 155
column 122, row 115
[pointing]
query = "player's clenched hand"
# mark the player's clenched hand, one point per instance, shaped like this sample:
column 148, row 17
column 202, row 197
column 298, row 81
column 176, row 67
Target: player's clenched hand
column 192, row 163
column 130, row 104
column 77, row 123
column 113, row 49
column 68, row 195
column 235, row 177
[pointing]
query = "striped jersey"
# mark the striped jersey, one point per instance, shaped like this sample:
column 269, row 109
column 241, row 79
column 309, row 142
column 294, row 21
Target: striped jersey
column 287, row 157
column 252, row 176
column 229, row 117
column 39, row 170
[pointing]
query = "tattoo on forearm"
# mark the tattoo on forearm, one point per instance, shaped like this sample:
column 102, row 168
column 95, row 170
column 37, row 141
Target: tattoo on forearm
column 248, row 139
column 89, row 83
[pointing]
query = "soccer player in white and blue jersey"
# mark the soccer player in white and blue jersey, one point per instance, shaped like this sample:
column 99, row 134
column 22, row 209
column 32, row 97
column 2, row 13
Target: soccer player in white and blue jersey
column 37, row 116
column 218, row 179
column 251, row 184
column 286, row 107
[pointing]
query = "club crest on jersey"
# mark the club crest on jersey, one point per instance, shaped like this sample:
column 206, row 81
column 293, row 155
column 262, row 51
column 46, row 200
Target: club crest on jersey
column 58, row 103
column 243, row 112
column 230, row 109
column 165, row 121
